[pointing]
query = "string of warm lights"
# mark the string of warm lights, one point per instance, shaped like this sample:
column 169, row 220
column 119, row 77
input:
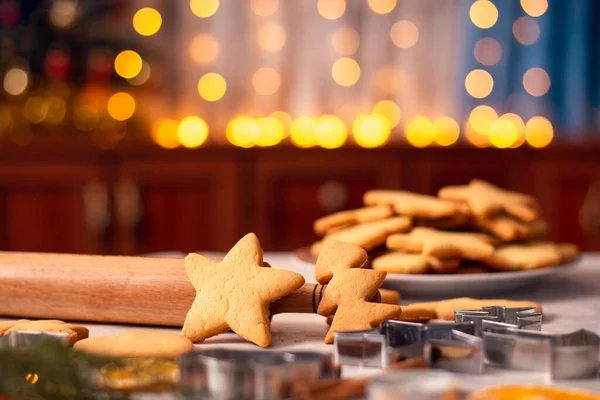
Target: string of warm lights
column 483, row 128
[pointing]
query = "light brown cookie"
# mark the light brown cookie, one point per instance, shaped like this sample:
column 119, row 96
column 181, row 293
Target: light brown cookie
column 443, row 244
column 416, row 314
column 354, row 311
column 531, row 255
column 444, row 309
column 568, row 252
column 504, row 227
column 457, row 221
column 509, row 229
column 336, row 257
column 6, row 325
column 367, row 235
column 235, row 293
column 399, row 262
column 74, row 332
column 485, row 199
column 389, row 296
column 137, row 344
column 413, row 204
column 350, row 217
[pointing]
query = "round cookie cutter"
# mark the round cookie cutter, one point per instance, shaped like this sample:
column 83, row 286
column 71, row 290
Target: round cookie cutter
column 262, row 375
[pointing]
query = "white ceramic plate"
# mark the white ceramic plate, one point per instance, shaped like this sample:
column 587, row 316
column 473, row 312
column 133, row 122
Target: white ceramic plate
column 459, row 285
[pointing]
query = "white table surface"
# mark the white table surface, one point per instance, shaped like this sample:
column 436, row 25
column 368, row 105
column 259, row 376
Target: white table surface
column 570, row 300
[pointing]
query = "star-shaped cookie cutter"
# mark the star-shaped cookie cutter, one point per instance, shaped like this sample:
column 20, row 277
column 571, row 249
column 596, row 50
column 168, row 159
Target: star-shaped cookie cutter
column 236, row 374
column 560, row 356
column 456, row 346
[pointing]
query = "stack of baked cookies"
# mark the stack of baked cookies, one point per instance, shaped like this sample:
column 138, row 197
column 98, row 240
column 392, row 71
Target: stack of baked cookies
column 473, row 228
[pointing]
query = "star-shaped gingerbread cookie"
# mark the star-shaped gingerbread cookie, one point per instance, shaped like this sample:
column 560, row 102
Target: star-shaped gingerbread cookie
column 486, row 199
column 355, row 312
column 235, row 293
column 335, row 260
column 443, row 244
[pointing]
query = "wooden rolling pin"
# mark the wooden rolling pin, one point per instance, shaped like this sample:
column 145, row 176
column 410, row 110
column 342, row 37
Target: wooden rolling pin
column 133, row 290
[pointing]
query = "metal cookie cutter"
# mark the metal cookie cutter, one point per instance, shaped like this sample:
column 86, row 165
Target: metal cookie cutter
column 453, row 346
column 31, row 338
column 510, row 317
column 561, row 356
column 396, row 340
column 232, row 374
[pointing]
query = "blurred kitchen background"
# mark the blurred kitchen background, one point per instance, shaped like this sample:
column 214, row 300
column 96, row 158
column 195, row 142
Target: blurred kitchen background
column 149, row 125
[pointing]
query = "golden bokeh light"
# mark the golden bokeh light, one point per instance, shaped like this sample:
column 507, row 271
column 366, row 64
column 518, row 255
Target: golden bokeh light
column 445, row 131
column 128, row 64
column 419, row 132
column 526, row 30
column 536, row 81
column 481, row 118
column 147, row 21
column 345, row 41
column 271, row 132
column 479, row 83
column 303, row 132
column 487, row 51
column 264, row 8
column 266, row 81
column 203, row 48
column 535, row 8
column 404, row 34
column 35, row 109
column 476, row 139
column 243, row 131
column 345, row 71
column 331, row 132
column 389, row 110
column 121, row 106
column 32, row 378
column 371, row 131
column 539, row 132
column 164, row 133
column 142, row 77
column 16, row 81
column 192, row 132
column 483, row 13
column 388, row 79
column 519, row 125
column 382, row 6
column 56, row 110
column 62, row 13
column 212, row 86
column 331, row 9
column 503, row 133
column 204, row 8
column 271, row 37
column 284, row 118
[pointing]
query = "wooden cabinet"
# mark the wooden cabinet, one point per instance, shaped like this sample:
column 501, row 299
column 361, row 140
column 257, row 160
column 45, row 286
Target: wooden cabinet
column 294, row 188
column 185, row 201
column 139, row 200
column 562, row 185
column 53, row 207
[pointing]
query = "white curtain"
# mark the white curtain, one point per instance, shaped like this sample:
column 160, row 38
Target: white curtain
column 429, row 70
